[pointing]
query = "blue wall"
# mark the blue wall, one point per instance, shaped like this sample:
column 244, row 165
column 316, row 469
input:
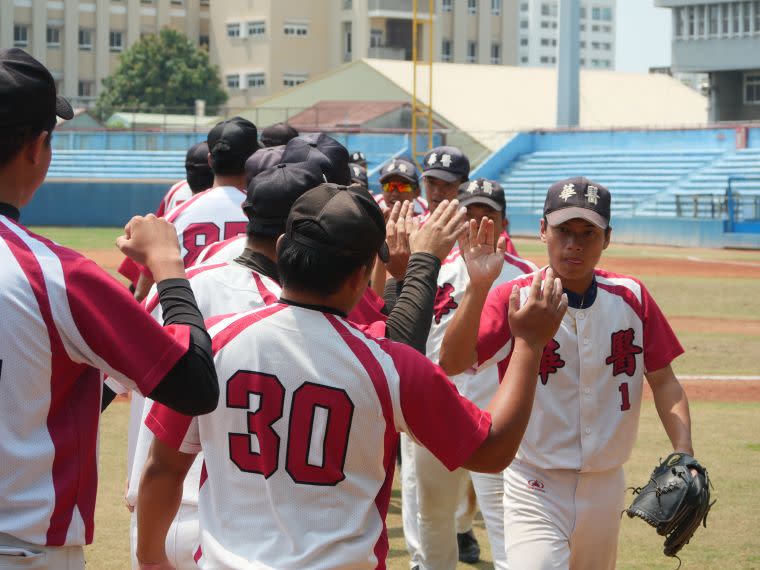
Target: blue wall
column 753, row 138
column 105, row 204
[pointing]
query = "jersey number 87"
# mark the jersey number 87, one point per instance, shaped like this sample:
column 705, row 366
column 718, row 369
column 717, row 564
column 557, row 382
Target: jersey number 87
column 318, row 429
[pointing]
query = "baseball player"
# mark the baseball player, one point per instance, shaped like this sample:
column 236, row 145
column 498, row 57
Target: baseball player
column 278, row 134
column 214, row 214
column 199, row 178
column 400, row 182
column 359, row 175
column 64, row 321
column 331, row 156
column 357, row 157
column 438, row 489
column 299, row 462
column 564, row 492
column 252, row 281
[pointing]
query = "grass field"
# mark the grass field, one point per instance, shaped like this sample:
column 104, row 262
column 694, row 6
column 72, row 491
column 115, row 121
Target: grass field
column 726, row 435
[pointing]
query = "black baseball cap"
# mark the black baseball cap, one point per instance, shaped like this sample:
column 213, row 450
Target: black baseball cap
column 345, row 221
column 323, row 149
column 199, row 173
column 359, row 175
column 577, row 198
column 402, row 168
column 231, row 142
column 483, row 191
column 271, row 195
column 357, row 157
column 262, row 159
column 277, row 134
column 447, row 163
column 27, row 93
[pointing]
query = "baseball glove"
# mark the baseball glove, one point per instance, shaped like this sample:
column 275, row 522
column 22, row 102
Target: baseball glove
column 674, row 501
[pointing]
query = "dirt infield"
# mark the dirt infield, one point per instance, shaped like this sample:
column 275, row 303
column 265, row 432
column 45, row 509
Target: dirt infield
column 718, row 390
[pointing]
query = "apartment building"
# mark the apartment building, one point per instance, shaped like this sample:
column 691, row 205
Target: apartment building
column 722, row 39
column 80, row 41
column 265, row 46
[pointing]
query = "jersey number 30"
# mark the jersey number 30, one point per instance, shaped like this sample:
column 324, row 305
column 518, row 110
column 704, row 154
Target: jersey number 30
column 318, row 428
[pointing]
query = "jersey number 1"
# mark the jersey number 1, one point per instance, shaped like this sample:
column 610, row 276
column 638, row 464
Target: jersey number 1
column 626, row 400
column 318, row 428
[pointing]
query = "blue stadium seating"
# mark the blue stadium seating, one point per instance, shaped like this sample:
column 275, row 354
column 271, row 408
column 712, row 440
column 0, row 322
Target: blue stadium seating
column 117, row 165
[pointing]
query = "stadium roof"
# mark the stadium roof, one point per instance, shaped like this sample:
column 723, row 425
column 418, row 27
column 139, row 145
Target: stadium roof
column 490, row 102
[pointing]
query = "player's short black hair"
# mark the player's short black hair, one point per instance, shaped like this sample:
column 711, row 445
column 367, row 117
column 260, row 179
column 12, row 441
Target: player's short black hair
column 304, row 268
column 13, row 139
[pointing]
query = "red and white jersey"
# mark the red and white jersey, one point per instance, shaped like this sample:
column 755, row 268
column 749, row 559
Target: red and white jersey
column 209, row 216
column 302, row 448
column 178, row 194
column 64, row 320
column 420, row 204
column 586, row 412
column 222, row 251
column 453, row 279
column 219, row 289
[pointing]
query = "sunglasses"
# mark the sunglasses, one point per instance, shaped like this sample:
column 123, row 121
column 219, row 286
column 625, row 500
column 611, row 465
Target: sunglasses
column 396, row 186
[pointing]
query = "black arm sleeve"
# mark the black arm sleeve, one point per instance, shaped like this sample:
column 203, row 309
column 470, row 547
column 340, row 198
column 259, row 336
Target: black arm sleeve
column 190, row 387
column 106, row 398
column 412, row 312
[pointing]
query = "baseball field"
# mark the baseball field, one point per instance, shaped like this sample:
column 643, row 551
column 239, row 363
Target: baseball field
column 712, row 299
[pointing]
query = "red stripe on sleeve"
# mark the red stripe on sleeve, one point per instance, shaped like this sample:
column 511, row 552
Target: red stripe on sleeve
column 168, row 425
column 494, row 332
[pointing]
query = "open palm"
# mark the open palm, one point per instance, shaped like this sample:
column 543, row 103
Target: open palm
column 483, row 256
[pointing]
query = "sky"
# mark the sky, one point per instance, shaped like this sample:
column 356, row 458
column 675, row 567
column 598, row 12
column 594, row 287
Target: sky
column 643, row 36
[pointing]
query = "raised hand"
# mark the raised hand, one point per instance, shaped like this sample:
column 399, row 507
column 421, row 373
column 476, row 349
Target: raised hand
column 440, row 232
column 397, row 230
column 539, row 317
column 152, row 242
column 483, row 256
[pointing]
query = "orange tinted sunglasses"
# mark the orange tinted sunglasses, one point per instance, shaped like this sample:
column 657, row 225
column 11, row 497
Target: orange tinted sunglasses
column 398, row 186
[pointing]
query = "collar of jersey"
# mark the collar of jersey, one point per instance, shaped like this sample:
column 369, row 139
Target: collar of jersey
column 320, row 308
column 260, row 263
column 9, row 211
column 584, row 301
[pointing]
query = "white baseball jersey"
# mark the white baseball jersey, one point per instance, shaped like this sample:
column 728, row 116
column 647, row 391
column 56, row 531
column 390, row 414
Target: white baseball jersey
column 420, row 204
column 209, row 216
column 179, row 193
column 301, row 451
column 222, row 251
column 452, row 282
column 586, row 412
column 64, row 320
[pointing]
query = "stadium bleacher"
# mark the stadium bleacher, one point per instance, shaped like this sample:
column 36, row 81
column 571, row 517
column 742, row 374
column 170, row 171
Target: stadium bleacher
column 166, row 166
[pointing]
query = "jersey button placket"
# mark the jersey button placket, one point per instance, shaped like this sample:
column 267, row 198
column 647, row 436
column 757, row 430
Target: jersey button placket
column 585, row 351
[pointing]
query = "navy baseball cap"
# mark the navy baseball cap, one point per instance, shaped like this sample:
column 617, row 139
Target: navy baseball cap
column 345, row 221
column 262, row 159
column 199, row 173
column 447, row 163
column 483, row 191
column 271, row 195
column 578, row 198
column 231, row 142
column 401, row 168
column 277, row 134
column 359, row 175
column 27, row 93
column 325, row 151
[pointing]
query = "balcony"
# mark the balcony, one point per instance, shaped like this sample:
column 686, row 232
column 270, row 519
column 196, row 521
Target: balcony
column 396, row 8
column 382, row 52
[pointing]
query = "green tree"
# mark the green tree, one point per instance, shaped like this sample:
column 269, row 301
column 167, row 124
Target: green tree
column 162, row 73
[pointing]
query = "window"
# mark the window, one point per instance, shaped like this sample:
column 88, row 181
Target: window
column 523, row 41
column 20, row 36
column 233, row 82
column 712, row 17
column 524, row 24
column 85, row 38
column 545, row 41
column 544, row 59
column 700, row 21
column 53, row 36
column 293, row 29
column 204, row 2
column 495, row 53
column 258, row 28
column 734, row 17
column 472, row 52
column 524, row 7
column 596, row 13
column 757, row 16
column 472, row 6
column 375, row 38
column 116, row 41
column 203, row 40
column 607, row 14
column 724, row 19
column 255, row 80
column 678, row 14
column 86, row 89
column 549, row 10
column 583, row 12
column 746, row 20
column 293, row 79
column 233, row 30
column 583, row 45
column 495, row 7
column 446, row 6
column 606, row 46
column 446, row 50
column 348, row 4
column 595, row 45
column 752, row 88
column 178, row 2
column 524, row 59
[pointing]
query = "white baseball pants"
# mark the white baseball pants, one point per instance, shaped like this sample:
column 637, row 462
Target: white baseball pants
column 562, row 519
column 15, row 553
